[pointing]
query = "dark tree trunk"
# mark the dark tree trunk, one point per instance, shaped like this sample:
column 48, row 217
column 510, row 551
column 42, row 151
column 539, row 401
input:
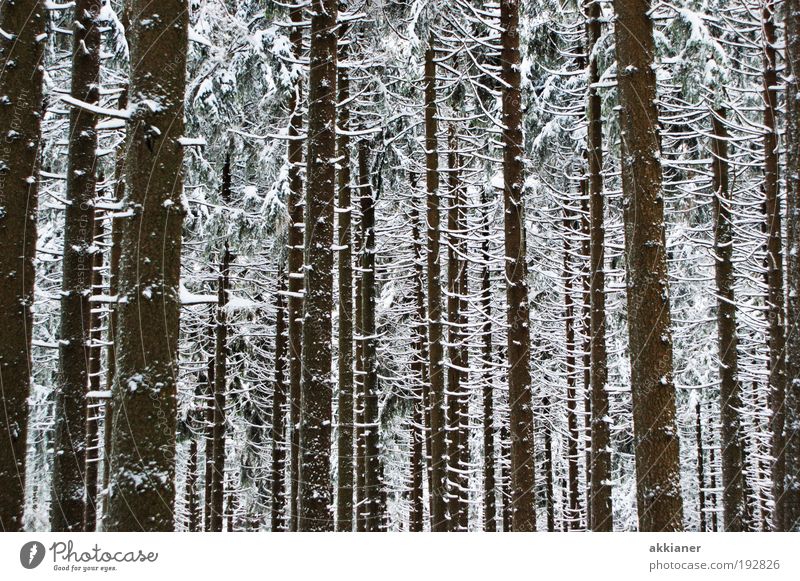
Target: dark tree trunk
column 505, row 478
column 371, row 503
column 548, row 470
column 487, row 351
column 69, row 439
column 730, row 388
column 278, row 500
column 220, row 371
column 657, row 463
column 701, row 483
column 191, row 488
column 344, row 500
column 519, row 374
column 96, row 402
column 601, row 513
column 457, row 445
column 210, row 404
column 117, row 225
column 572, row 516
column 358, row 382
column 438, row 451
column 295, row 266
column 20, row 124
column 419, row 380
column 316, row 393
column 786, row 394
column 142, row 487
column 790, row 518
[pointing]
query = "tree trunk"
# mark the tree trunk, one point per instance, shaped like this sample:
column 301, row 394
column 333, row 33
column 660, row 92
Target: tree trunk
column 519, row 374
column 358, row 382
column 191, row 487
column 316, row 397
column 295, row 266
column 572, row 517
column 456, row 303
column 24, row 22
column 548, row 470
column 210, row 404
column 505, row 476
column 117, row 225
column 278, row 501
column 142, row 488
column 438, row 450
column 730, row 388
column 657, row 463
column 601, row 513
column 776, row 337
column 701, row 483
column 95, row 404
column 791, row 502
column 69, row 439
column 372, row 482
column 489, row 492
column 220, row 371
column 344, row 501
column 419, row 380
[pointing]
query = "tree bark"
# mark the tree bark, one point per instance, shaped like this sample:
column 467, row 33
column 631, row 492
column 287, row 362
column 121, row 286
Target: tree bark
column 701, row 483
column 93, row 415
column 487, row 351
column 572, row 518
column 371, row 503
column 278, row 500
column 456, row 376
column 69, row 439
column 419, row 462
column 117, row 225
column 295, row 266
column 191, row 487
column 657, row 463
column 142, row 488
column 519, row 374
column 20, row 124
column 438, row 450
column 220, row 372
column 730, row 388
column 344, row 501
column 316, row 393
column 422, row 431
column 601, row 513
column 791, row 501
column 210, row 404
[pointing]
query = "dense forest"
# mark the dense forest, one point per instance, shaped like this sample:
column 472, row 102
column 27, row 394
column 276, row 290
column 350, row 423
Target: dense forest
column 400, row 265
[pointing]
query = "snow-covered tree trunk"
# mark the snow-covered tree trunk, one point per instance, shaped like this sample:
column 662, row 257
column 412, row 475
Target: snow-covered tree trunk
column 791, row 504
column 344, row 491
column 370, row 505
column 600, row 489
column 278, row 429
column 419, row 418
column 457, row 445
column 487, row 353
column 660, row 504
column 142, row 476
column 438, row 450
column 730, row 388
column 23, row 44
column 69, row 484
column 519, row 373
column 316, row 389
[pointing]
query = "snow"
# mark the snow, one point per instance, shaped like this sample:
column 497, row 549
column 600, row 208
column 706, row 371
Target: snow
column 105, row 111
